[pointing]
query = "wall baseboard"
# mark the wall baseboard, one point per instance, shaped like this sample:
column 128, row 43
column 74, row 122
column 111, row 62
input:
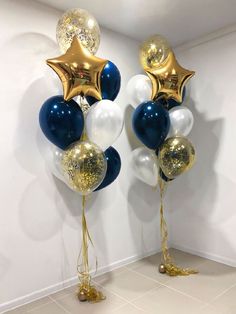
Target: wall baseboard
column 70, row 282
column 213, row 257
column 74, row 280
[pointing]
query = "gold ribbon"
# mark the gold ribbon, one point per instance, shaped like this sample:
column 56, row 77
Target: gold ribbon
column 170, row 268
column 86, row 291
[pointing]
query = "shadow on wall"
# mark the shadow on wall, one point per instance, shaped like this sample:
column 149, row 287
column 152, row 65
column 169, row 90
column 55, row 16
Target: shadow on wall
column 46, row 203
column 193, row 198
column 143, row 200
column 5, row 264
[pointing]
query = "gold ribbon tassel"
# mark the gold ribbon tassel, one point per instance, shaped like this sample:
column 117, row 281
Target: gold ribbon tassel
column 86, row 291
column 168, row 264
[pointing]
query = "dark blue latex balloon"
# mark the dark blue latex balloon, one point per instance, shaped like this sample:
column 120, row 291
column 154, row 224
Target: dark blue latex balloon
column 151, row 123
column 171, row 103
column 62, row 122
column 113, row 167
column 110, row 83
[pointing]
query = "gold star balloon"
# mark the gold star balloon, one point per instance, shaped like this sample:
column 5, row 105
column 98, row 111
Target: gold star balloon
column 79, row 71
column 168, row 79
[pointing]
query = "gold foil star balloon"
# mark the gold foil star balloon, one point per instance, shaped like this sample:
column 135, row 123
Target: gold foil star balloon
column 79, row 71
column 80, row 23
column 169, row 78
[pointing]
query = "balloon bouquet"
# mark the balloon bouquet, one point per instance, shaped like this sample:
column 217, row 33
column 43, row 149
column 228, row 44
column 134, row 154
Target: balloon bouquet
column 161, row 123
column 83, row 130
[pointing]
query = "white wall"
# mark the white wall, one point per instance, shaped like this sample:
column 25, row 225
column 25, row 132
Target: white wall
column 39, row 216
column 202, row 202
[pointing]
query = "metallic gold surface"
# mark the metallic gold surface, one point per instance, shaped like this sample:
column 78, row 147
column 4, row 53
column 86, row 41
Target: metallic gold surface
column 162, row 269
column 84, row 166
column 154, row 51
column 83, row 105
column 86, row 291
column 169, row 78
column 169, row 267
column 79, row 23
column 79, row 71
column 176, row 156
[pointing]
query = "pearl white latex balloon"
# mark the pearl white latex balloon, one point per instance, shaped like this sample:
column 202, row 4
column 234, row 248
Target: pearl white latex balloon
column 144, row 165
column 181, row 121
column 52, row 156
column 104, row 123
column 139, row 89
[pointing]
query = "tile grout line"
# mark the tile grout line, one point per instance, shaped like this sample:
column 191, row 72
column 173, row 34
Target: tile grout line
column 165, row 285
column 185, row 294
column 59, row 305
column 222, row 293
column 162, row 284
column 130, row 302
column 135, row 299
column 34, row 308
column 126, row 301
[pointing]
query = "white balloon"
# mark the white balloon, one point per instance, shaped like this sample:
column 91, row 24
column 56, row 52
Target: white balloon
column 181, row 121
column 52, row 156
column 139, row 89
column 144, row 165
column 104, row 123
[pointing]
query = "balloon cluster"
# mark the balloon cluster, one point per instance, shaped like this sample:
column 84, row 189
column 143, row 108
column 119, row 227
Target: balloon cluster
column 160, row 121
column 82, row 130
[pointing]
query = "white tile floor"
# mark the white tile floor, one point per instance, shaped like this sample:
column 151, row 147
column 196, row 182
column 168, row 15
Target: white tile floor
column 139, row 288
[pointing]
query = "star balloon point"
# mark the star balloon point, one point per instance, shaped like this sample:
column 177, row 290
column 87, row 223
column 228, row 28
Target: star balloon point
column 79, row 71
column 169, row 78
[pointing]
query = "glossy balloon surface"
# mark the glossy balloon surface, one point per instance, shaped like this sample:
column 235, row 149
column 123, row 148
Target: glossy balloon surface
column 181, row 121
column 151, row 123
column 62, row 122
column 104, row 123
column 110, row 83
column 113, row 167
column 144, row 165
column 139, row 89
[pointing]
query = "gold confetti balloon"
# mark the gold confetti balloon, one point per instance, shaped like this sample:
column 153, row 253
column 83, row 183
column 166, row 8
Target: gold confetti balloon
column 80, row 23
column 84, row 166
column 153, row 52
column 176, row 156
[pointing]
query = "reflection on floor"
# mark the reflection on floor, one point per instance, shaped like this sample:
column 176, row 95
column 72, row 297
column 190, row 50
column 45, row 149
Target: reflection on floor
column 139, row 288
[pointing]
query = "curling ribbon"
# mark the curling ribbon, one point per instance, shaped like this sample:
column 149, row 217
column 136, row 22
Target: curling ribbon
column 170, row 268
column 86, row 291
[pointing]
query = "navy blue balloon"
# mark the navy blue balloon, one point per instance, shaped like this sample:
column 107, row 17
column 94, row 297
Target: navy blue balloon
column 151, row 123
column 171, row 103
column 62, row 122
column 113, row 167
column 110, row 83
column 161, row 174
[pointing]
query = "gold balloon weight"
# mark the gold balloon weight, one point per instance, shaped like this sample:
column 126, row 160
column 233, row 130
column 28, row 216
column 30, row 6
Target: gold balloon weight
column 79, row 23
